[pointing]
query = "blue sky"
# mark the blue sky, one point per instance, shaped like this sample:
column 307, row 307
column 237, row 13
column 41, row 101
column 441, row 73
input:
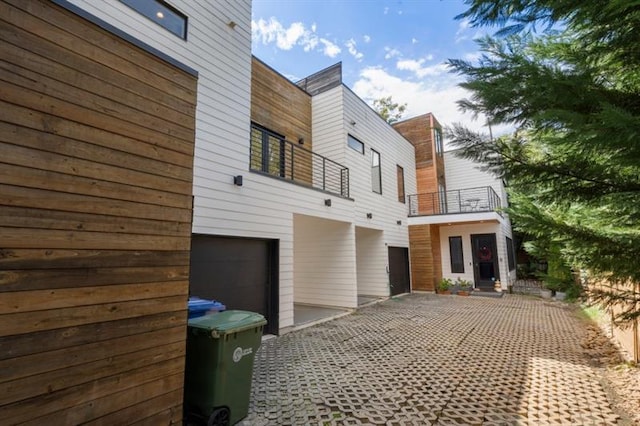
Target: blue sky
column 387, row 48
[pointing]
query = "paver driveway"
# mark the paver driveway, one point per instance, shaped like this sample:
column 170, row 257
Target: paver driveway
column 427, row 359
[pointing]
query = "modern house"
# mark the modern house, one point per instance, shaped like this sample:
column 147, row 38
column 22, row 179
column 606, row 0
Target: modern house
column 457, row 228
column 148, row 156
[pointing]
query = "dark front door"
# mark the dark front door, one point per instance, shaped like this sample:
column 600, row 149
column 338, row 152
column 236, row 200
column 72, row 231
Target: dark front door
column 399, row 270
column 485, row 260
column 239, row 272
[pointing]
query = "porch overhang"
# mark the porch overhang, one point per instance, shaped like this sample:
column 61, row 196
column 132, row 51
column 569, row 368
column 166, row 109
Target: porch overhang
column 456, row 218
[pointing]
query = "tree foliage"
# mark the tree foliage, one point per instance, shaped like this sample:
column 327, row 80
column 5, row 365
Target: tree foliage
column 572, row 92
column 389, row 110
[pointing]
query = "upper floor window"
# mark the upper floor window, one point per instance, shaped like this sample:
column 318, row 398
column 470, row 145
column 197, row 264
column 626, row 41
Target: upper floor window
column 400, row 173
column 162, row 14
column 355, row 144
column 437, row 134
column 376, row 173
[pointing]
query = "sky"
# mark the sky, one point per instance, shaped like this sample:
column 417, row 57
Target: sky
column 393, row 47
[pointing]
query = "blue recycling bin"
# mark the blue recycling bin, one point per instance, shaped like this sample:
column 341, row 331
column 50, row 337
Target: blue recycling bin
column 199, row 307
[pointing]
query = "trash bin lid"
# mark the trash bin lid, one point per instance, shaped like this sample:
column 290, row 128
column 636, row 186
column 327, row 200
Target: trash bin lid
column 228, row 322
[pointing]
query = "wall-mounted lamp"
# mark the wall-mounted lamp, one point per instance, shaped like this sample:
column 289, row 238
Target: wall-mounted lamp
column 237, row 180
column 301, row 141
column 369, row 215
column 232, row 24
column 352, row 122
column 399, row 222
column 327, row 202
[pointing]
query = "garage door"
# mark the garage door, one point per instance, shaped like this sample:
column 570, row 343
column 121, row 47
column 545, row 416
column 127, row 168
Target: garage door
column 399, row 270
column 239, row 272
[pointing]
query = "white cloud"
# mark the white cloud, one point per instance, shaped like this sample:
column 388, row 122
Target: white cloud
column 462, row 33
column 438, row 96
column 414, row 40
column 391, row 53
column 416, row 66
column 330, row 49
column 351, row 46
column 366, row 38
column 386, row 10
column 273, row 32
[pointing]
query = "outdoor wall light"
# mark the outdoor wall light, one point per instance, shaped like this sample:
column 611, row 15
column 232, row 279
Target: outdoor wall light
column 237, row 180
column 399, row 222
column 369, row 215
column 327, row 202
column 301, row 141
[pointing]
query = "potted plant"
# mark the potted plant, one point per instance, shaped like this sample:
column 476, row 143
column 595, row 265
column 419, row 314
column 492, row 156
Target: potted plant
column 444, row 286
column 464, row 287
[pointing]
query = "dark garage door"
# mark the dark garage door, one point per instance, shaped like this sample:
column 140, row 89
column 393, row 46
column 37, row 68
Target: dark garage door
column 399, row 270
column 239, row 272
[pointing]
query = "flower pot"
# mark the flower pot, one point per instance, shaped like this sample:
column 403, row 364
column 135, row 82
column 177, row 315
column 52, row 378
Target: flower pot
column 463, row 293
column 444, row 291
column 545, row 293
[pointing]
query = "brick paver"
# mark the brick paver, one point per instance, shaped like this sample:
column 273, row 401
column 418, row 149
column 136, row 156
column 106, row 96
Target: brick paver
column 433, row 360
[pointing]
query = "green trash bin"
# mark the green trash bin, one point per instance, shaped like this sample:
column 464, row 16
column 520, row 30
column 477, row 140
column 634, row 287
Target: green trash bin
column 219, row 366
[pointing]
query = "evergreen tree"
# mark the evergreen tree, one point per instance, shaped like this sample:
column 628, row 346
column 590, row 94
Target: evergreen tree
column 572, row 92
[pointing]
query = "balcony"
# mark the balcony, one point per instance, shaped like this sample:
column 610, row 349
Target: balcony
column 471, row 200
column 271, row 154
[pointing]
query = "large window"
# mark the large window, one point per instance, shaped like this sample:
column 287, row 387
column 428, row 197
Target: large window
column 511, row 254
column 355, row 144
column 376, row 173
column 457, row 258
column 162, row 14
column 400, row 173
column 267, row 151
column 437, row 134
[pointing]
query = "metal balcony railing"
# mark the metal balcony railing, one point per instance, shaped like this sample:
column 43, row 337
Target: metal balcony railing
column 273, row 155
column 471, row 200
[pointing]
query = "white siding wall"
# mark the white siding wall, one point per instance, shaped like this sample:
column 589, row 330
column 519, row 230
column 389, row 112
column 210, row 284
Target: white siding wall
column 461, row 173
column 372, row 260
column 328, row 128
column 324, row 262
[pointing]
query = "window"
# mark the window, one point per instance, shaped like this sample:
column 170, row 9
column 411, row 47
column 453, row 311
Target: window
column 510, row 254
column 400, row 173
column 376, row 175
column 267, row 151
column 355, row 144
column 437, row 134
column 455, row 251
column 162, row 14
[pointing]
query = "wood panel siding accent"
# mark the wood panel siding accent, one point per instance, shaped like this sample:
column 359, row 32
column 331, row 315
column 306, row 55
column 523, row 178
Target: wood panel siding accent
column 422, row 262
column 436, row 251
column 322, row 80
column 282, row 107
column 96, row 171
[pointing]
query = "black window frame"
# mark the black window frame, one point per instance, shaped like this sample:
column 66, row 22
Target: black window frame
column 141, row 6
column 355, row 144
column 458, row 266
column 373, row 172
column 511, row 255
column 401, row 187
column 437, row 135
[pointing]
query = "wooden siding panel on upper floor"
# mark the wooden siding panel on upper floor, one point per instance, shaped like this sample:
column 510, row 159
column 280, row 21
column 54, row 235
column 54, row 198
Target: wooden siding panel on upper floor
column 96, row 169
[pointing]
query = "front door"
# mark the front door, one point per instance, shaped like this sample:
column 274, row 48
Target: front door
column 485, row 260
column 399, row 270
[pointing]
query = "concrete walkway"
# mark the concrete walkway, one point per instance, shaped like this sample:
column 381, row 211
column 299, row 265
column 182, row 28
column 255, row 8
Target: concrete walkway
column 433, row 360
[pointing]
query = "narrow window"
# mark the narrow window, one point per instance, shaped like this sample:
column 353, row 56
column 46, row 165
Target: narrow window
column 510, row 254
column 437, row 134
column 267, row 151
column 400, row 173
column 455, row 251
column 355, row 144
column 162, row 14
column 376, row 175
